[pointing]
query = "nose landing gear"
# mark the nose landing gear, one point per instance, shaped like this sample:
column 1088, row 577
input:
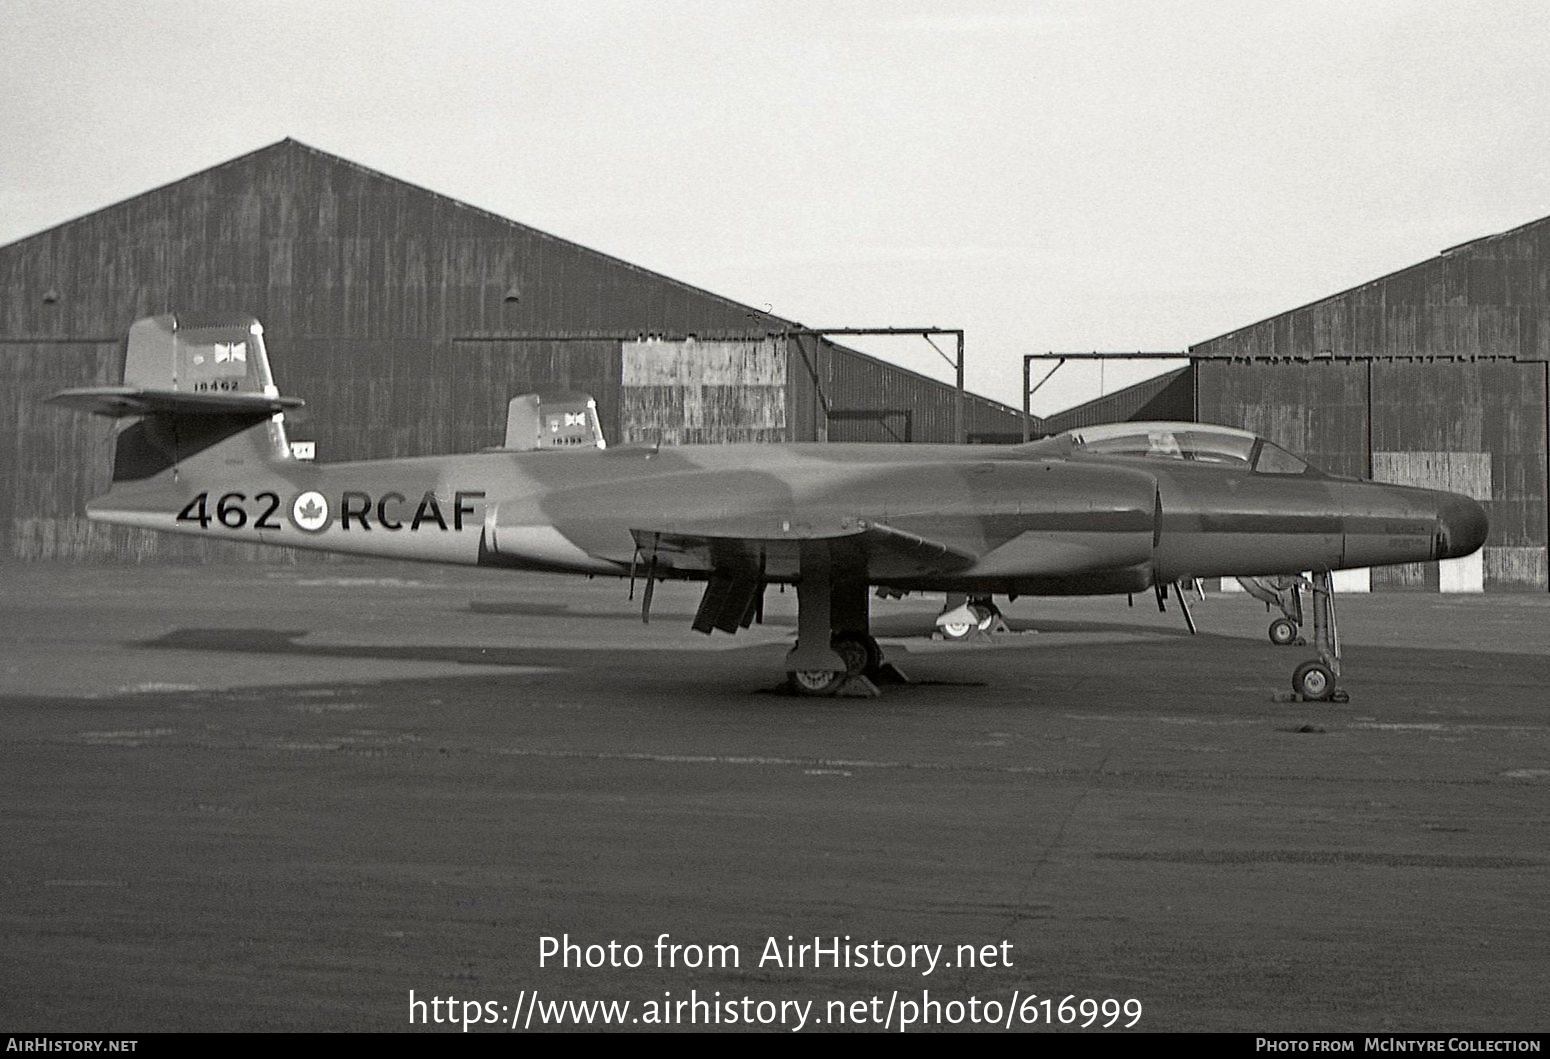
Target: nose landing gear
column 1318, row 680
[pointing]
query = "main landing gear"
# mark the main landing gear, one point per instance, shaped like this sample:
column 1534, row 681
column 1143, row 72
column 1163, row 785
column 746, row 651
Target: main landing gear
column 864, row 669
column 835, row 653
column 969, row 617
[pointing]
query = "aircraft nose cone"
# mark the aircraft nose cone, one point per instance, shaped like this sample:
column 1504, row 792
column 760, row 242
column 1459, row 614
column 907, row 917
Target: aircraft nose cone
column 1461, row 527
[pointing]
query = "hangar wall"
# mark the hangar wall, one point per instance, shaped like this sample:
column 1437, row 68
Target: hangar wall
column 1317, row 410
column 406, row 319
column 1170, row 396
column 1437, row 375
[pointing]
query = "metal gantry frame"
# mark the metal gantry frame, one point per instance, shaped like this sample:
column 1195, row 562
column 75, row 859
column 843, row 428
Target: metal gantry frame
column 960, row 426
column 1030, row 388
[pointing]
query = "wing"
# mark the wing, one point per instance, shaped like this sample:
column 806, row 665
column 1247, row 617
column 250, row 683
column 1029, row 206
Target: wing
column 869, row 550
column 735, row 556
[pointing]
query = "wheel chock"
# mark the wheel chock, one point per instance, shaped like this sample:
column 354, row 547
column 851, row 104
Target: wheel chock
column 975, row 635
column 1338, row 696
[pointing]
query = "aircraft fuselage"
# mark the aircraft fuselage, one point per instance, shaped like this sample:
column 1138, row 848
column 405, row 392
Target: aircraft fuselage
column 1034, row 525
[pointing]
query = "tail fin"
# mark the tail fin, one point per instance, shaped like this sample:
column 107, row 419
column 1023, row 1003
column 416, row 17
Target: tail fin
column 196, row 382
column 553, row 419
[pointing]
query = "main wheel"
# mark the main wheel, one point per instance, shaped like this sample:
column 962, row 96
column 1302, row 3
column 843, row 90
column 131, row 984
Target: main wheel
column 957, row 630
column 985, row 614
column 1314, row 680
column 1282, row 632
column 816, row 681
column 861, row 653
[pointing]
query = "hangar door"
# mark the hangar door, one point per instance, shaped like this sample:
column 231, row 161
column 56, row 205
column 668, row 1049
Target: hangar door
column 694, row 393
column 883, row 424
column 1476, row 428
column 51, row 460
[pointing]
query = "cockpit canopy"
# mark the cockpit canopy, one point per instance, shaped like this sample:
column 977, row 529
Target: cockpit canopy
column 1198, row 442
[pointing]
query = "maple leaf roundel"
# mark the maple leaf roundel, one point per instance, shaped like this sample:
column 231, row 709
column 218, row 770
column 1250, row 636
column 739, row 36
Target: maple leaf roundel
column 309, row 512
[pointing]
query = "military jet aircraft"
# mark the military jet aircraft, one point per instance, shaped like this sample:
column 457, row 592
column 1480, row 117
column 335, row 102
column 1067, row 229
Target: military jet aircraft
column 1122, row 508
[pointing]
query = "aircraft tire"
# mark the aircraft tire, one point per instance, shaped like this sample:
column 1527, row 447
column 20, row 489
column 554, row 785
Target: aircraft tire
column 1282, row 632
column 816, row 682
column 1314, row 680
column 861, row 653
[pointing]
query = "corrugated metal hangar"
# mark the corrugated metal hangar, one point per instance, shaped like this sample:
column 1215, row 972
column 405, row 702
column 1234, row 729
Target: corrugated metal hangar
column 407, row 320
column 1437, row 375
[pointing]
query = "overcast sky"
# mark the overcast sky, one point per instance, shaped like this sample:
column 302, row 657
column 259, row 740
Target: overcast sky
column 1045, row 175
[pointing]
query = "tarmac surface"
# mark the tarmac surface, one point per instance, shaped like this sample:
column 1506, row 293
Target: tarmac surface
column 283, row 798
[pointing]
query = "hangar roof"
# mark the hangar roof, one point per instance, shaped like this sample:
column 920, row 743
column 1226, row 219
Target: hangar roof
column 978, row 406
column 1482, row 299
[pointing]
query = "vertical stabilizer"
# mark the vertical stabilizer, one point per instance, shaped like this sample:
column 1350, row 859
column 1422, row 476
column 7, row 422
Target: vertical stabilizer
column 553, row 419
column 198, row 354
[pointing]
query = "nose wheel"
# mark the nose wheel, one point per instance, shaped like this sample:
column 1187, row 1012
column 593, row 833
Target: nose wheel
column 1313, row 680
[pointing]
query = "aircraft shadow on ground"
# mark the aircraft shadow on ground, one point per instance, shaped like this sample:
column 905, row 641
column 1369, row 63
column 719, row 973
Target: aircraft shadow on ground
column 891, row 625
column 1161, row 650
column 285, row 642
column 625, row 659
column 573, row 660
column 629, row 611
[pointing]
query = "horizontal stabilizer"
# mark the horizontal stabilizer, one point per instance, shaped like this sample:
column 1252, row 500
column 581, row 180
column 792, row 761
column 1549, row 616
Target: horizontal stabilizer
column 119, row 401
